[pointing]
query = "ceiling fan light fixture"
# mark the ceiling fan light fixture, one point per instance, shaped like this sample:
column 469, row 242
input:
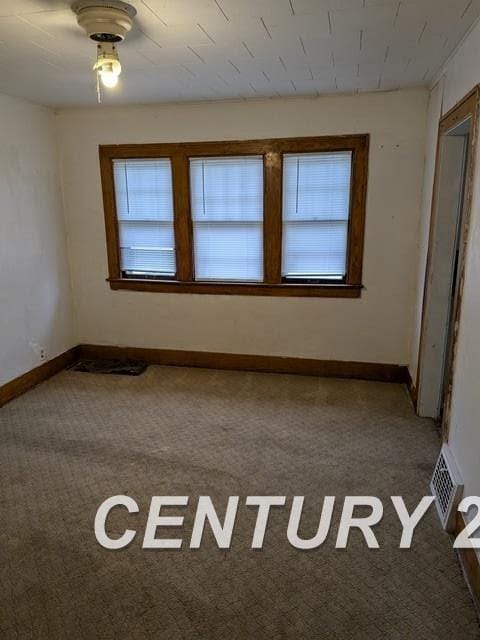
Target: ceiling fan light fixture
column 107, row 22
column 108, row 65
column 104, row 20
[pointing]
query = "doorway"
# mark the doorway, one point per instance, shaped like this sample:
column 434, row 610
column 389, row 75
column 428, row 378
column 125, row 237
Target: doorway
column 446, row 259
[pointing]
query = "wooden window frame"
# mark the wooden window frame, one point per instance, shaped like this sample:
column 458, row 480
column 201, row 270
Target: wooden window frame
column 272, row 151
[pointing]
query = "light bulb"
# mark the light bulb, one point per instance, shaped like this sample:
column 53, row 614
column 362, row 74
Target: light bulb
column 109, row 79
column 108, row 65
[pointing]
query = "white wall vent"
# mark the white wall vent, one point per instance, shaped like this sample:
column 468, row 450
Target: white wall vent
column 447, row 487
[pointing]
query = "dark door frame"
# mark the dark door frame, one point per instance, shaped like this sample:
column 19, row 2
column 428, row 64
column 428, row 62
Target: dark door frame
column 468, row 107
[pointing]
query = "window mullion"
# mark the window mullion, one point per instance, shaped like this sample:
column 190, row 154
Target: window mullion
column 272, row 224
column 183, row 221
column 356, row 227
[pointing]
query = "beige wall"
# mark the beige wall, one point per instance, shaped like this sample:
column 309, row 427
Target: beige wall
column 35, row 298
column 376, row 328
column 459, row 76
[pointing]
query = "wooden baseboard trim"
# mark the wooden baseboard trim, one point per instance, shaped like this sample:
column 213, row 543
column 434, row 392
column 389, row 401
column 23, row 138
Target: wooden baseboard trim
column 242, row 362
column 470, row 563
column 412, row 390
column 23, row 383
column 209, row 360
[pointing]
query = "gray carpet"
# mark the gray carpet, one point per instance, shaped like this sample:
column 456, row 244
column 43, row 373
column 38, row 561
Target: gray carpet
column 79, row 438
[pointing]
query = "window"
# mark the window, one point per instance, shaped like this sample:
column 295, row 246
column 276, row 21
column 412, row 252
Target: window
column 260, row 217
column 143, row 192
column 227, row 215
column 316, row 204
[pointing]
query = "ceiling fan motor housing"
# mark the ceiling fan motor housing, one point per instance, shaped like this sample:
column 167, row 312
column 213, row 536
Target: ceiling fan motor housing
column 105, row 21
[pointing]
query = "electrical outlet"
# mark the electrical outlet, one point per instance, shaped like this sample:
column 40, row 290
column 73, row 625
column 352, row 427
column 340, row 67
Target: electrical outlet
column 43, row 354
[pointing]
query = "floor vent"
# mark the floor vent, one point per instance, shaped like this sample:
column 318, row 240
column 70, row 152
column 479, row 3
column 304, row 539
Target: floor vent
column 447, row 487
column 117, row 367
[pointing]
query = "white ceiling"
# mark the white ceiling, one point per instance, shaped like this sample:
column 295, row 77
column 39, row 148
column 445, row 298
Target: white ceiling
column 219, row 49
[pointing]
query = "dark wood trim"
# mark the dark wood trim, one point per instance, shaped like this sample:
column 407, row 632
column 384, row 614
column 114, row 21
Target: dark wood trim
column 244, row 362
column 460, row 111
column 469, row 562
column 23, row 383
column 235, row 147
column 110, row 214
column 272, row 150
column 182, row 221
column 238, row 288
column 412, row 390
column 272, row 220
column 206, row 359
column 358, row 206
column 470, row 107
column 467, row 107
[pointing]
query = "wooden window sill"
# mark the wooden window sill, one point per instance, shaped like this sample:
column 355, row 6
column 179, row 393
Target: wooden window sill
column 239, row 289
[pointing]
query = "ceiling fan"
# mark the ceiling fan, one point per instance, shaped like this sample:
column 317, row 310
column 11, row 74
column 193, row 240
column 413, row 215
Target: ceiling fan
column 106, row 22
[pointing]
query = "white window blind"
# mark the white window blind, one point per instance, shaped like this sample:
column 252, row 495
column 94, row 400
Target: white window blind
column 316, row 204
column 227, row 215
column 143, row 191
